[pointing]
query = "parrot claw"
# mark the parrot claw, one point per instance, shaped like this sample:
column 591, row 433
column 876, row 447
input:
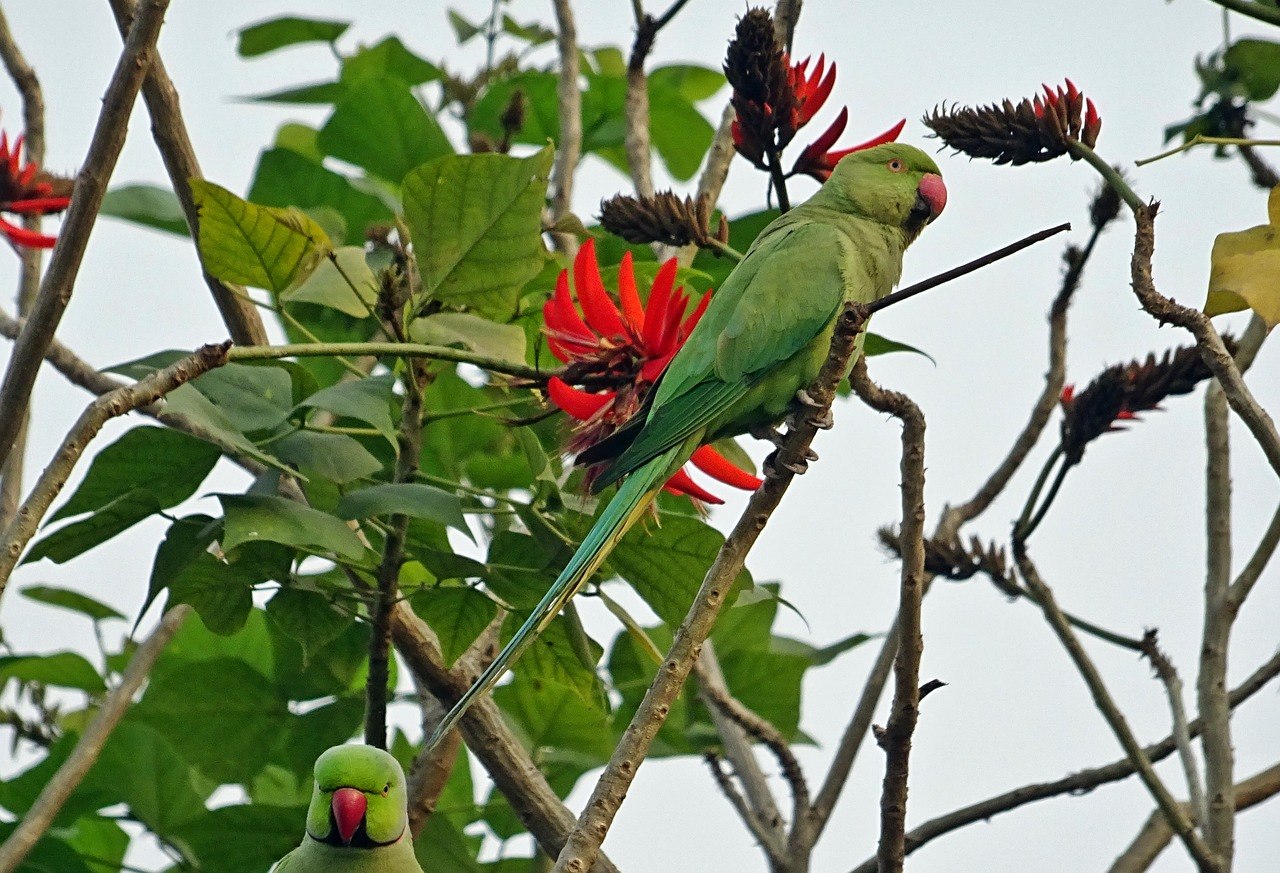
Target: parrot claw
column 810, row 455
column 772, row 465
column 823, row 420
column 819, row 416
column 802, row 396
column 764, row 432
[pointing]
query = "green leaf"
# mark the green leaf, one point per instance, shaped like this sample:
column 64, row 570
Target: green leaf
column 148, row 205
column 72, row 600
column 555, row 658
column 49, row 855
column 555, row 719
column 348, row 287
column 380, row 126
column 389, row 57
column 506, row 342
column 666, row 564
column 442, row 847
column 306, row 95
column 64, row 669
column 519, row 568
column 405, row 498
column 1256, row 65
column 286, row 178
column 457, row 615
column 251, row 396
column 140, row 767
column 542, row 108
column 99, row 838
column 464, row 30
column 320, row 728
column 306, row 617
column 168, row 464
column 260, row 246
column 533, row 33
column 680, row 133
column 875, row 344
column 217, row 590
column 188, row 402
column 477, row 219
column 79, row 537
column 769, row 684
column 820, row 657
column 257, row 518
column 277, row 33
column 252, row 645
column 220, row 714
column 236, row 839
column 336, row 457
column 366, row 399
column 691, row 81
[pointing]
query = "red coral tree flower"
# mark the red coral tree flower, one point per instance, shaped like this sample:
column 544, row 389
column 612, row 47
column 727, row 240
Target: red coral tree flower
column 614, row 355
column 28, row 190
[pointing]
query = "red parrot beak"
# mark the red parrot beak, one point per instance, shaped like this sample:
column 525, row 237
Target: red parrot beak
column 933, row 192
column 348, row 808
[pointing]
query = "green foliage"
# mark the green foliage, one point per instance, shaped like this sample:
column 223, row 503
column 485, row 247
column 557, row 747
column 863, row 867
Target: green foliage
column 277, row 33
column 378, row 125
column 147, row 205
column 457, row 615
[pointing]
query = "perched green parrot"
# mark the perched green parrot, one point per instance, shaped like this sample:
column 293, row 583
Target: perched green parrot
column 358, row 821
column 762, row 339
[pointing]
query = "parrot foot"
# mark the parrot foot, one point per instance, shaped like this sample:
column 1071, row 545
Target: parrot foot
column 772, row 465
column 819, row 415
column 764, row 432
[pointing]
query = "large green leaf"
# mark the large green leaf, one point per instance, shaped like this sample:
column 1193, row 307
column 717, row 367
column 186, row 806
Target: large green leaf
column 306, row 617
column 237, row 839
column 217, row 590
column 542, row 108
column 336, row 457
column 71, row 600
column 168, row 464
column 48, row 855
column 256, row 518
column 80, row 536
column 680, row 134
column 286, row 178
column 457, row 615
column 691, row 81
column 220, row 714
column 1255, row 64
column 140, row 767
column 277, row 33
column 506, row 342
column 348, row 286
column 476, row 226
column 260, row 246
column 187, row 401
column 148, row 205
column 405, row 498
column 368, row 400
column 380, row 126
column 389, row 57
column 64, row 669
column 251, row 396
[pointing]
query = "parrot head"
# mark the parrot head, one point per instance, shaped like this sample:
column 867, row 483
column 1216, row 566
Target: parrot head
column 359, row 799
column 894, row 184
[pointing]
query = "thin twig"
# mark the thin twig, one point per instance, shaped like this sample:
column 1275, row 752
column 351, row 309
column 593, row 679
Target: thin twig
column 1201, row 139
column 1156, row 833
column 1076, row 783
column 1262, row 173
column 569, row 98
column 749, row 816
column 1178, row 819
column 404, row 350
column 77, row 765
column 118, row 402
column 90, row 187
column 244, row 325
column 593, row 824
column 896, row 739
column 1168, row 676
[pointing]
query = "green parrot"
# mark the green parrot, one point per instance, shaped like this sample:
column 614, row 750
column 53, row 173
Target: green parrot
column 762, row 339
column 358, row 821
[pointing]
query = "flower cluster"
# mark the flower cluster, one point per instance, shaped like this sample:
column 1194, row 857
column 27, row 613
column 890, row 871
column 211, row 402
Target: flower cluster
column 662, row 217
column 1030, row 131
column 1122, row 391
column 28, row 190
column 614, row 354
column 774, row 98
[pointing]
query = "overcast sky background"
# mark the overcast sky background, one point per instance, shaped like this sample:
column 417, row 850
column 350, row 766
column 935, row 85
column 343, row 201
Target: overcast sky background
column 1123, row 546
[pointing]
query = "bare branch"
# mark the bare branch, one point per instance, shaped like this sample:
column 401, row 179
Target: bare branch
column 765, row 834
column 569, row 96
column 1075, row 783
column 432, row 767
column 108, row 406
column 91, row 186
column 1178, row 819
column 244, row 325
column 1156, row 833
column 1168, row 676
column 77, row 765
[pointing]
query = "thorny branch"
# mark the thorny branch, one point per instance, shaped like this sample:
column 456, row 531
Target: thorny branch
column 569, row 97
column 90, row 187
column 1168, row 676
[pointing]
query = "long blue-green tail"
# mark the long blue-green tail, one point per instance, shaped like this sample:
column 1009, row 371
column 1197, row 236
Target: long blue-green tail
column 635, row 495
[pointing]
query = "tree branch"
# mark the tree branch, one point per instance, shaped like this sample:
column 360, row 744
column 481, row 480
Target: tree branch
column 1075, row 783
column 569, row 97
column 593, row 824
column 896, row 740
column 404, row 350
column 77, row 765
column 1168, row 676
column 431, row 767
column 91, row 185
column 108, row 406
column 1254, row 10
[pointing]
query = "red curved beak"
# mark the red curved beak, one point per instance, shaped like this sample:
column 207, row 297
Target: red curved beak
column 348, row 807
column 932, row 190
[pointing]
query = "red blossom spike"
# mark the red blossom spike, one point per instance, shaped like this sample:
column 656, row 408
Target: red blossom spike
column 682, row 483
column 717, row 466
column 1072, row 91
column 598, row 309
column 670, row 342
column 823, row 143
column 582, row 405
column 15, row 156
column 632, row 308
column 655, row 320
column 23, row 237
column 567, row 320
column 38, row 205
column 1068, row 394
column 4, row 146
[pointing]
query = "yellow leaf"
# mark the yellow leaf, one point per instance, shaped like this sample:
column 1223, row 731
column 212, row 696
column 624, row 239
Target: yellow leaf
column 1245, row 268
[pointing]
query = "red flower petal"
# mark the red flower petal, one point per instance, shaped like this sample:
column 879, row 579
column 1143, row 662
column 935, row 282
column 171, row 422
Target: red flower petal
column 567, row 320
column 717, row 466
column 682, row 483
column 632, row 308
column 38, row 204
column 655, row 320
column 670, row 342
column 599, row 311
column 580, row 404
column 23, row 237
column 15, row 156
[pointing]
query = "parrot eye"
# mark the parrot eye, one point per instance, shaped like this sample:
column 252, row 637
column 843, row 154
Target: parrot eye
column 386, row 789
column 896, row 166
